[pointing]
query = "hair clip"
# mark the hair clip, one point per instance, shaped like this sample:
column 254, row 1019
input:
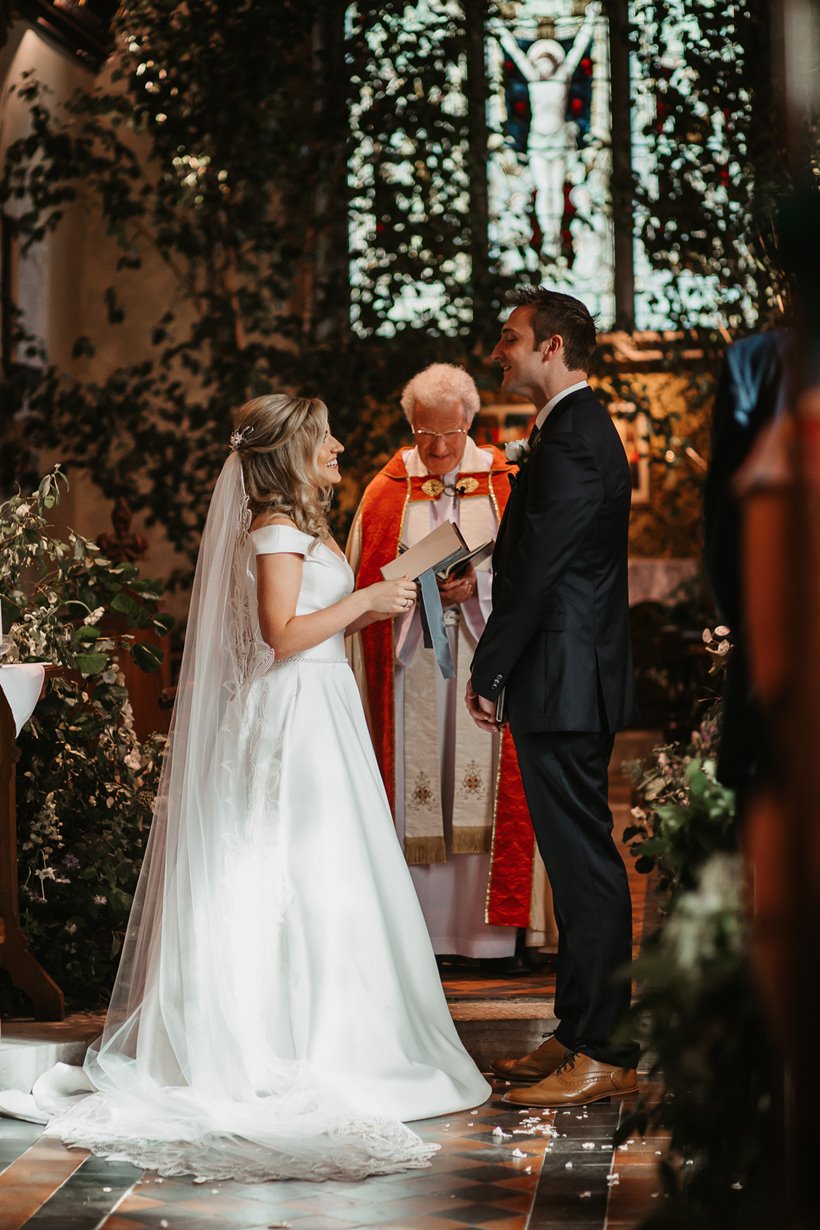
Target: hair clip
column 237, row 438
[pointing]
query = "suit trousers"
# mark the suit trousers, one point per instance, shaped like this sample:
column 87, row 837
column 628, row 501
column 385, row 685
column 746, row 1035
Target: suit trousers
column 565, row 776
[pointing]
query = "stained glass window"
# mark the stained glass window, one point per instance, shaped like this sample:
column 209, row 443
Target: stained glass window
column 547, row 145
column 695, row 293
column 403, row 173
column 549, row 160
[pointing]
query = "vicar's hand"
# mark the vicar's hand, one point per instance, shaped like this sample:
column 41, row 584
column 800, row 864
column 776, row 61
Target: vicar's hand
column 459, row 589
column 481, row 710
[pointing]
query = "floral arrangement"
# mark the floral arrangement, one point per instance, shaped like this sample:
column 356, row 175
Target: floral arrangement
column 697, row 1010
column 85, row 781
column 682, row 813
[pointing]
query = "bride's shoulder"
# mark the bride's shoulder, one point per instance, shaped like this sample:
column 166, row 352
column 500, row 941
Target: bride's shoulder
column 265, row 519
column 275, row 534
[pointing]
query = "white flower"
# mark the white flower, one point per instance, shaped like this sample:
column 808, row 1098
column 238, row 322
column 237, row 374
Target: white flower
column 133, row 760
column 23, row 510
column 94, row 616
column 100, row 900
column 690, row 934
column 516, row 450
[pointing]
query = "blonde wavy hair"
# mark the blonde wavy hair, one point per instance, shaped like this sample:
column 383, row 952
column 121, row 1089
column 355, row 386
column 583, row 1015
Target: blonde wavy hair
column 278, row 439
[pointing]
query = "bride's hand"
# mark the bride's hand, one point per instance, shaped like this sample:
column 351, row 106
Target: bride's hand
column 387, row 598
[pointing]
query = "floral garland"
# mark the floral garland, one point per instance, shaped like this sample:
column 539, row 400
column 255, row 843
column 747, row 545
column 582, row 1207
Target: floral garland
column 85, row 781
column 697, row 1009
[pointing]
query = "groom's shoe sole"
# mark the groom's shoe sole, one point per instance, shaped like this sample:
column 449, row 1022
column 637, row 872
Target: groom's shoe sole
column 578, row 1082
column 600, row 1097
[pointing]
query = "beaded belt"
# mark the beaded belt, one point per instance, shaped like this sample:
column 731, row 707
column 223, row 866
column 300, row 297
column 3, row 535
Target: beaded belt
column 320, row 661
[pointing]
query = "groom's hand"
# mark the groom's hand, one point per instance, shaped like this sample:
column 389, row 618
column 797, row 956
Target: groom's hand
column 481, row 710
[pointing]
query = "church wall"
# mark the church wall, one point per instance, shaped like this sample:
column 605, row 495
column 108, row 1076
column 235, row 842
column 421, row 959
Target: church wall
column 61, row 283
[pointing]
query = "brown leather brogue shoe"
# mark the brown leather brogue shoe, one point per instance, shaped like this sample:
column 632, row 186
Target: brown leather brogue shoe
column 577, row 1082
column 535, row 1066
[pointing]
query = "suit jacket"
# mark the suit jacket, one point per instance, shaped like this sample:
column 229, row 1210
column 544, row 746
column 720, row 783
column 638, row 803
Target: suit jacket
column 751, row 392
column 558, row 636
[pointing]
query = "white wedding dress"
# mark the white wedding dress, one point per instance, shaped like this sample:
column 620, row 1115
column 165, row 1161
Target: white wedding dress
column 278, row 1012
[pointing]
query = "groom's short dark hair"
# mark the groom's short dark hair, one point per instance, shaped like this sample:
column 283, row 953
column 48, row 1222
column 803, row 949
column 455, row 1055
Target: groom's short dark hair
column 557, row 313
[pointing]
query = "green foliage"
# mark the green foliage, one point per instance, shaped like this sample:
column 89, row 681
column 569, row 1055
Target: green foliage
column 721, row 164
column 251, row 157
column 682, row 813
column 193, row 153
column 85, row 782
column 697, row 1008
column 703, row 1023
column 218, row 146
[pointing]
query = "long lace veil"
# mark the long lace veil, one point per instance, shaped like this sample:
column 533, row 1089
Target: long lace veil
column 218, row 637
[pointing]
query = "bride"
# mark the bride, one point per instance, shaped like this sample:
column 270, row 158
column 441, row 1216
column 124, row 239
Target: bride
column 277, row 1012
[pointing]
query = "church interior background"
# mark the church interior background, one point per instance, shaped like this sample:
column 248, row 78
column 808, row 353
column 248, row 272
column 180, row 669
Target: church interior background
column 200, row 204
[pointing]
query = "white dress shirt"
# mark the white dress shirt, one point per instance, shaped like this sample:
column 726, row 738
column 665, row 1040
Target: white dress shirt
column 541, row 418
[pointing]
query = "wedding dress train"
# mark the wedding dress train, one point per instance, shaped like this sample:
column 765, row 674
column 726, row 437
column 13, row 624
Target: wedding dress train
column 278, row 1012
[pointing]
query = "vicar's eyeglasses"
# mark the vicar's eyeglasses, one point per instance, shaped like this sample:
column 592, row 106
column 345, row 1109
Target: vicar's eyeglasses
column 422, row 434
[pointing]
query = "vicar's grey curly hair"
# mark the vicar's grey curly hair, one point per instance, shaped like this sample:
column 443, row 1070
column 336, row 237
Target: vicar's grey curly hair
column 441, row 384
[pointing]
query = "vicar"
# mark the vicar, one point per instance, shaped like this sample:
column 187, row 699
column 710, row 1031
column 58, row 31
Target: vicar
column 556, row 647
column 463, row 824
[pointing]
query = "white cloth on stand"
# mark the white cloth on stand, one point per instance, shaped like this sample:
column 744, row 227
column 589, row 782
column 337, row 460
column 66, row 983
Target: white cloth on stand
column 21, row 684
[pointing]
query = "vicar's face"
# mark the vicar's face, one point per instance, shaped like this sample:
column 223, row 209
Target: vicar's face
column 441, row 435
column 522, row 365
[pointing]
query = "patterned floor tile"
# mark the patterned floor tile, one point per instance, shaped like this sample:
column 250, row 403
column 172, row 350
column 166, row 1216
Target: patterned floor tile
column 497, row 1168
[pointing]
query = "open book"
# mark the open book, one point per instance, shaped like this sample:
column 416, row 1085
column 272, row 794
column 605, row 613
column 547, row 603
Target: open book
column 464, row 559
column 444, row 550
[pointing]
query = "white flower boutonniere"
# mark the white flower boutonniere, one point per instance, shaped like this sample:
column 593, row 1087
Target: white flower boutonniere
column 516, row 451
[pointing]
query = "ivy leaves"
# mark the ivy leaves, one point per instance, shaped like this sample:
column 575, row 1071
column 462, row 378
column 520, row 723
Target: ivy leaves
column 86, row 783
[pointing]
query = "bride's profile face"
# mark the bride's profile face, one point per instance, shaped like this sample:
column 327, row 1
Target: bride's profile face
column 327, row 463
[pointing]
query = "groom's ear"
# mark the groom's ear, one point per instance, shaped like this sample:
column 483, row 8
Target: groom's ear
column 552, row 348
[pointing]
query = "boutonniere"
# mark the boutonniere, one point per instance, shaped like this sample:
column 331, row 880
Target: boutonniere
column 517, row 451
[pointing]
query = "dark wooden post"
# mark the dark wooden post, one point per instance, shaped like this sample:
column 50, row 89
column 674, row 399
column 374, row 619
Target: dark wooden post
column 475, row 12
column 618, row 13
column 24, row 970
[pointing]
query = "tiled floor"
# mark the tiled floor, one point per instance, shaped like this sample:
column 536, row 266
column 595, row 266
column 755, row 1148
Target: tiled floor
column 497, row 1168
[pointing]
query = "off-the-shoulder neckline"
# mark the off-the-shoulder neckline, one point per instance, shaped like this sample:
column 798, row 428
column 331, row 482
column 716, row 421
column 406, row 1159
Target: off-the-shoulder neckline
column 280, row 525
column 336, row 554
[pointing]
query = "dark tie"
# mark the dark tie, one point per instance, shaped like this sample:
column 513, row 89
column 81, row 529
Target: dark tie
column 533, row 436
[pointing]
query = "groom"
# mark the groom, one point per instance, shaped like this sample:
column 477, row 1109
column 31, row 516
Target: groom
column 556, row 654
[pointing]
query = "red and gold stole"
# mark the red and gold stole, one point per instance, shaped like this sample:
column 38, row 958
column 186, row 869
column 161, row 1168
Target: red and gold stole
column 382, row 516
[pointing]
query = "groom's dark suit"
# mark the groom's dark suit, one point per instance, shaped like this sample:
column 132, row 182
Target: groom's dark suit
column 558, row 642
